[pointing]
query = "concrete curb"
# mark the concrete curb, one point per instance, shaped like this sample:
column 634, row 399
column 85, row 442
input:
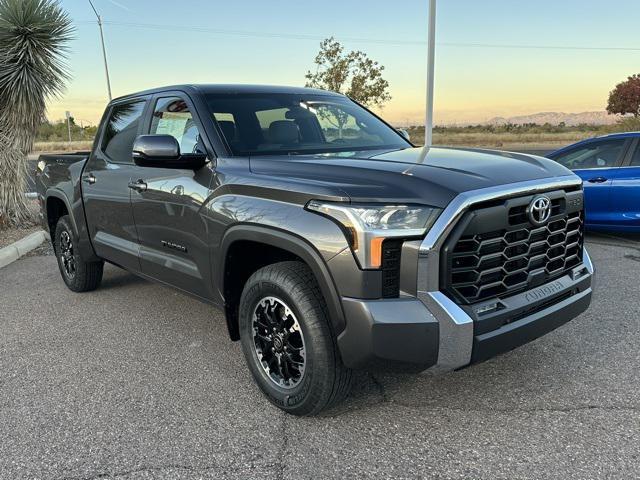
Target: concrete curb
column 23, row 246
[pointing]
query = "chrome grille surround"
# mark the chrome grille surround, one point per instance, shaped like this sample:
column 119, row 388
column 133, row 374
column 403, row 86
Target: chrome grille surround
column 456, row 327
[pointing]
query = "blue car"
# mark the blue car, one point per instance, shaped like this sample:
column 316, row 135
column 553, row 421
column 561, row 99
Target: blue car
column 610, row 169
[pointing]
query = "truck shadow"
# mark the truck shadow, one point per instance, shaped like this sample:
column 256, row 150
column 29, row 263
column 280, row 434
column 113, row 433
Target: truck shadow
column 615, row 238
column 118, row 278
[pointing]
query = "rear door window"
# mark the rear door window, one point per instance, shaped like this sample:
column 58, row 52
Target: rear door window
column 121, row 130
column 635, row 160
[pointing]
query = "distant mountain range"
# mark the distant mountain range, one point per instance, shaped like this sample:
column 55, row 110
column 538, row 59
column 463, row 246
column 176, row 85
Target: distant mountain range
column 555, row 118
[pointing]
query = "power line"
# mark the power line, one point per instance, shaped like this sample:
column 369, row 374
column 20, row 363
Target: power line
column 537, row 47
column 395, row 42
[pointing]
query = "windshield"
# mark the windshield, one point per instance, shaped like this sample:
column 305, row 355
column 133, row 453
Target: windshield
column 264, row 124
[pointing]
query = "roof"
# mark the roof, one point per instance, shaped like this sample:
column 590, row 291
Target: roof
column 231, row 89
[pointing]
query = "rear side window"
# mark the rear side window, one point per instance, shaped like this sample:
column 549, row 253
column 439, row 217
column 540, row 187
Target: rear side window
column 121, row 130
column 267, row 117
column 172, row 116
column 593, row 155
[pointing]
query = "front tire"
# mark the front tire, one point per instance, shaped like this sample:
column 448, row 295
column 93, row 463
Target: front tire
column 287, row 341
column 78, row 274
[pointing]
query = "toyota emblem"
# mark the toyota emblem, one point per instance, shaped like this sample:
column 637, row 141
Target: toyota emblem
column 539, row 210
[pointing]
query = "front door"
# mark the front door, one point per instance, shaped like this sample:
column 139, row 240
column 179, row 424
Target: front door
column 171, row 232
column 625, row 192
column 105, row 186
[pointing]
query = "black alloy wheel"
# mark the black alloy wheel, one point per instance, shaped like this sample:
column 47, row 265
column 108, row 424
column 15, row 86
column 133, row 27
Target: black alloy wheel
column 67, row 255
column 279, row 342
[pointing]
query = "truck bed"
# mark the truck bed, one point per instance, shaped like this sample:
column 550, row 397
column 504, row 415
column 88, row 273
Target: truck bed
column 63, row 158
column 59, row 170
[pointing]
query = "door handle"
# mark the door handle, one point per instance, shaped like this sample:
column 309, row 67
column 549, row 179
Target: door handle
column 89, row 178
column 597, row 180
column 139, row 185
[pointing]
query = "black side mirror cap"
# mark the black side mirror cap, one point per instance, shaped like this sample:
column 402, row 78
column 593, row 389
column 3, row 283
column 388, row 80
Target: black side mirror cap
column 163, row 151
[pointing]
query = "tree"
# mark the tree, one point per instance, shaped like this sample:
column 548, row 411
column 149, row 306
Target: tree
column 351, row 73
column 625, row 98
column 33, row 45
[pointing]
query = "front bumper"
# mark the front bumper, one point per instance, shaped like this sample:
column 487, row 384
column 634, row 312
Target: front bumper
column 431, row 331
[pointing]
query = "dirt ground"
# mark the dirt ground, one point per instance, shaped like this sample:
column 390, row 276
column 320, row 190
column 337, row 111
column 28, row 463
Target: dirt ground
column 10, row 235
column 13, row 234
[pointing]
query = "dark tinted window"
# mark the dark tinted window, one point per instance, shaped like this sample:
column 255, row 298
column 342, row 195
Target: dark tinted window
column 593, row 155
column 635, row 160
column 261, row 124
column 121, row 130
column 172, row 116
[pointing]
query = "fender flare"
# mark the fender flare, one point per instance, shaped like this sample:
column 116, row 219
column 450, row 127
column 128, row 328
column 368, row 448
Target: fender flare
column 55, row 193
column 299, row 247
column 84, row 242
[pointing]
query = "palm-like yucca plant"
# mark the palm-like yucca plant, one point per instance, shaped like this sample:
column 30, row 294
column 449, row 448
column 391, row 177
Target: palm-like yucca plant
column 33, row 44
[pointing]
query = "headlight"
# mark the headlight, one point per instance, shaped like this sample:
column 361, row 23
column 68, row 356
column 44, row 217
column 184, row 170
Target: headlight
column 367, row 226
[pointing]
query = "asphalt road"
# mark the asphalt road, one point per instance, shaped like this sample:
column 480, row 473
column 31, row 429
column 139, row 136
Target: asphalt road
column 137, row 381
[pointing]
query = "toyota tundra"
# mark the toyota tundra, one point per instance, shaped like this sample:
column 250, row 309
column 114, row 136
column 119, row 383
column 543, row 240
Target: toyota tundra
column 329, row 241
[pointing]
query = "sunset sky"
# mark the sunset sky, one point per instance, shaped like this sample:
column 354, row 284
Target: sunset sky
column 482, row 67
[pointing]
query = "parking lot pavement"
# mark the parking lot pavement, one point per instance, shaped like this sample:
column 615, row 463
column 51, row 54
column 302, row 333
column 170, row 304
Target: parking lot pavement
column 137, row 381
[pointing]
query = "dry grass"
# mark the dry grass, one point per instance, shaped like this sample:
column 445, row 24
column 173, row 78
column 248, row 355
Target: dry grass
column 503, row 140
column 41, row 147
column 457, row 139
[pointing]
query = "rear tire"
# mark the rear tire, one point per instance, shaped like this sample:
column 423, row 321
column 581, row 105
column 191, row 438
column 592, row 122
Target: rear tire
column 78, row 274
column 287, row 340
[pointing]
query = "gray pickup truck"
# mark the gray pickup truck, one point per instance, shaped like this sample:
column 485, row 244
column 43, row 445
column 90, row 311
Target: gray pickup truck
column 328, row 240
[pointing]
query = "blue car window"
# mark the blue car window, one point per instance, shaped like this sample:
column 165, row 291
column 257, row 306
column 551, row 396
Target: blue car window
column 593, row 155
column 635, row 160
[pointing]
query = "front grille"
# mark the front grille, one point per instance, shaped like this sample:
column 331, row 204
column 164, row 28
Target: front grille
column 480, row 264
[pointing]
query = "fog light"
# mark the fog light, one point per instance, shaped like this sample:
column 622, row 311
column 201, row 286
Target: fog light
column 489, row 307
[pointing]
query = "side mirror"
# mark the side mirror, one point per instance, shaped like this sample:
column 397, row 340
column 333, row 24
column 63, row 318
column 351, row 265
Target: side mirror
column 163, row 151
column 404, row 133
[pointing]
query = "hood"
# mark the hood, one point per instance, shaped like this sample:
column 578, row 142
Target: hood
column 432, row 176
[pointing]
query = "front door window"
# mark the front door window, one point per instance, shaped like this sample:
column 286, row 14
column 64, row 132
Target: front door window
column 172, row 116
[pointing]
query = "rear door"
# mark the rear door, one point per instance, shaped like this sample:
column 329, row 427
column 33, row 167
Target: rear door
column 597, row 163
column 625, row 191
column 171, row 231
column 105, row 185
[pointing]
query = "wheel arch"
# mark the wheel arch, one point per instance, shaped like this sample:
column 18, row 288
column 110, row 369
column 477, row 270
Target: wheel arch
column 75, row 211
column 295, row 246
column 57, row 205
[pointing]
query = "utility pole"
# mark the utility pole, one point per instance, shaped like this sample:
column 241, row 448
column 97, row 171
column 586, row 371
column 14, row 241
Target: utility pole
column 104, row 51
column 431, row 54
column 68, row 115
